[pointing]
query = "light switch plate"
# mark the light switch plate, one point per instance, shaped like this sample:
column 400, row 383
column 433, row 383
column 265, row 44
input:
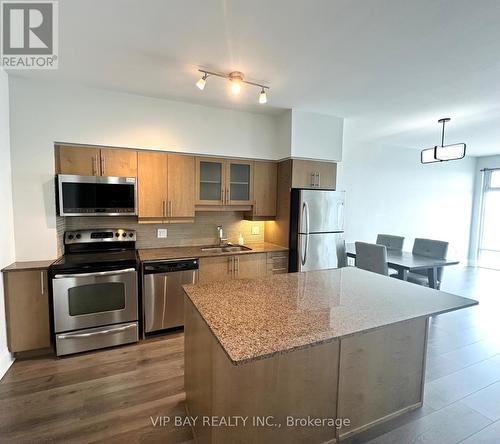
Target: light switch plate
column 162, row 233
column 255, row 229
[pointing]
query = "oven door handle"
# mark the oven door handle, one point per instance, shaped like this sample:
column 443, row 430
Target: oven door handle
column 97, row 333
column 100, row 273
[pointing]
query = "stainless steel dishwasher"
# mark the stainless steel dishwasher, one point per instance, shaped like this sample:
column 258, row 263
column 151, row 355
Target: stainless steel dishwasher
column 163, row 293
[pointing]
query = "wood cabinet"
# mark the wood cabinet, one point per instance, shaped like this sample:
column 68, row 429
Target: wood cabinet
column 27, row 310
column 83, row 161
column 224, row 182
column 277, row 262
column 180, row 184
column 265, row 185
column 241, row 266
column 152, row 184
column 118, row 162
column 94, row 161
column 313, row 174
column 165, row 187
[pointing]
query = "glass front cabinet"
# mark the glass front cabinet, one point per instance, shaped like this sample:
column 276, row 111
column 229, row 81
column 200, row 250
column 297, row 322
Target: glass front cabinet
column 223, row 182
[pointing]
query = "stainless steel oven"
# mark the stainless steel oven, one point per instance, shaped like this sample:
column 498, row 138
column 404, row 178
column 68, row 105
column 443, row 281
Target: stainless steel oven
column 96, row 195
column 85, row 300
column 95, row 291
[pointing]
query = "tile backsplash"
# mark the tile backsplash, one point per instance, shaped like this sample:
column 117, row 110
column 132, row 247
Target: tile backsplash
column 202, row 232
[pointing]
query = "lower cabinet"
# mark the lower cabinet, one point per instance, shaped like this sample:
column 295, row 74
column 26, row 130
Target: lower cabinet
column 241, row 266
column 27, row 310
column 277, row 262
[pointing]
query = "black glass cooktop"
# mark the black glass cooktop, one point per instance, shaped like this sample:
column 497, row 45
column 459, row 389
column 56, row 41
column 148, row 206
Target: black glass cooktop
column 95, row 261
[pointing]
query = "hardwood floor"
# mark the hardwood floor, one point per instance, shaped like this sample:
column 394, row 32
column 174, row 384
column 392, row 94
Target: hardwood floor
column 110, row 396
column 107, row 396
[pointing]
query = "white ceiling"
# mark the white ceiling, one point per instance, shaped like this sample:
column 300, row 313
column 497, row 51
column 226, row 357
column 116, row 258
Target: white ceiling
column 396, row 65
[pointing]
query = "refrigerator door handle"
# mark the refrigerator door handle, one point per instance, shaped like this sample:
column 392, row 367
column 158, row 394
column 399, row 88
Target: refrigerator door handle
column 340, row 215
column 305, row 211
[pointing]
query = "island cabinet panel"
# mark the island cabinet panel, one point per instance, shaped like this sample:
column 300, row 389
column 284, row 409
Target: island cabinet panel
column 27, row 310
column 118, row 162
column 371, row 391
column 216, row 268
column 313, row 174
column 181, row 186
column 83, row 161
column 298, row 384
column 152, row 184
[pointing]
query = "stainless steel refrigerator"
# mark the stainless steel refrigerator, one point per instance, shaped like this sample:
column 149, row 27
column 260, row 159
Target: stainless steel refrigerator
column 316, row 230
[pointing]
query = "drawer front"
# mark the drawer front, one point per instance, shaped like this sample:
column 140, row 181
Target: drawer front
column 277, row 263
column 95, row 338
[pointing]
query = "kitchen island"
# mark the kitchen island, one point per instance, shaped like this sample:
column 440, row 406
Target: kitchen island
column 305, row 357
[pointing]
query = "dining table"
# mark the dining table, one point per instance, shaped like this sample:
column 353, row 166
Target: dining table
column 405, row 261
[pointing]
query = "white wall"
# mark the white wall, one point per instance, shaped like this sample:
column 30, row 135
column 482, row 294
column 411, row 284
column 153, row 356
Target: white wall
column 316, row 136
column 43, row 113
column 6, row 218
column 390, row 191
column 482, row 162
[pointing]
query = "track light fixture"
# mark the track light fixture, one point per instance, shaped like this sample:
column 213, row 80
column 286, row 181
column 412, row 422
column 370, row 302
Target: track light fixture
column 444, row 152
column 236, row 79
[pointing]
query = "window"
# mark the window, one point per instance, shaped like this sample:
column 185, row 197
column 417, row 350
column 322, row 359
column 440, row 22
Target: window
column 489, row 235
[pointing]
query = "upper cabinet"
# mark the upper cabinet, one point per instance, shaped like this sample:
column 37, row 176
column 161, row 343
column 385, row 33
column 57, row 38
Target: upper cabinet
column 224, row 182
column 239, row 182
column 117, row 162
column 81, row 161
column 92, row 161
column 165, row 187
column 314, row 174
column 265, row 184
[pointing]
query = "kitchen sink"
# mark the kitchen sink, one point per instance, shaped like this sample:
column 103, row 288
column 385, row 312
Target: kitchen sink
column 225, row 249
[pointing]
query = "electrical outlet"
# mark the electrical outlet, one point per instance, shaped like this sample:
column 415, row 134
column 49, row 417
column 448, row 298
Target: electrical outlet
column 255, row 229
column 162, row 233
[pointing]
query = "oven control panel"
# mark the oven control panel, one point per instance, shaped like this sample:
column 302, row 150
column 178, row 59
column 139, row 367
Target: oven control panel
column 99, row 235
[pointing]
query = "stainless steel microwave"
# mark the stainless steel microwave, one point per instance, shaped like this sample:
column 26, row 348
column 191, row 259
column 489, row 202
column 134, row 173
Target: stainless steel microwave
column 96, row 195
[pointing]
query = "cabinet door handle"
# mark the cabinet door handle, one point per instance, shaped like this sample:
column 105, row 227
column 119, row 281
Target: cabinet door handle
column 94, row 166
column 313, row 180
column 317, row 179
column 237, row 270
column 42, row 283
column 230, row 265
column 227, row 196
column 171, row 211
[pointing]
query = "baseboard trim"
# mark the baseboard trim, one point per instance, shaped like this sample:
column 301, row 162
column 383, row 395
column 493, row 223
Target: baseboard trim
column 6, row 360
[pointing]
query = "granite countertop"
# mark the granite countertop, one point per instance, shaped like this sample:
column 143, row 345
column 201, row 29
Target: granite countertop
column 29, row 265
column 258, row 318
column 155, row 254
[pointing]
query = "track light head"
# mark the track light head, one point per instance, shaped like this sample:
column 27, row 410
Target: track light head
column 262, row 96
column 201, row 83
column 236, row 79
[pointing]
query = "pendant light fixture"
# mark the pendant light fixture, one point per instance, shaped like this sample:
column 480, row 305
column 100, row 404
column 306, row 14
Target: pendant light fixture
column 236, row 79
column 444, row 152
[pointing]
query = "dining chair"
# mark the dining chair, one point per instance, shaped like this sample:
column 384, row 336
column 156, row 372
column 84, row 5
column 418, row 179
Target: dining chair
column 430, row 248
column 371, row 257
column 391, row 242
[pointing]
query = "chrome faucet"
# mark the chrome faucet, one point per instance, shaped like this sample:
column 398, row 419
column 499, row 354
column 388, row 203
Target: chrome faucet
column 222, row 239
